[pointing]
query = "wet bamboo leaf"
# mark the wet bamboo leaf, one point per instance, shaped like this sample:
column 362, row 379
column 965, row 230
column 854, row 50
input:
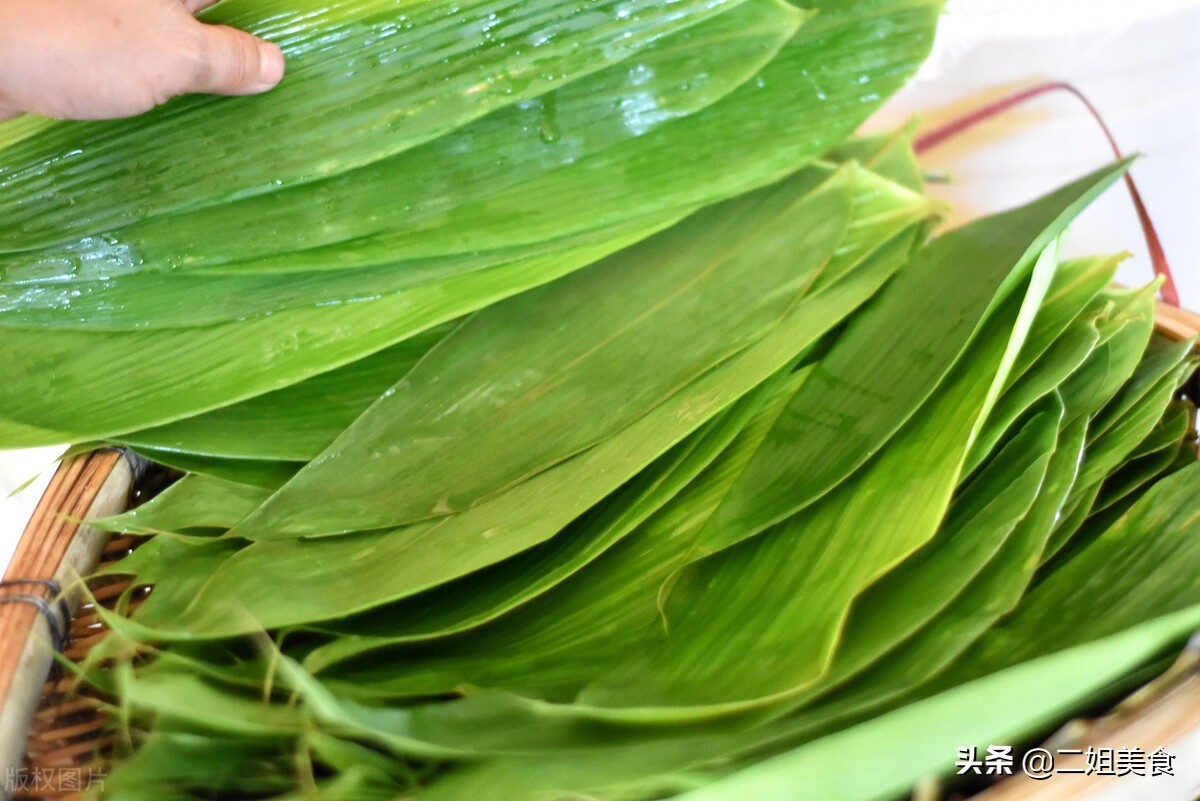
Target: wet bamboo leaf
column 486, row 595
column 876, row 389
column 526, row 515
column 644, row 323
column 804, row 571
column 1148, row 559
column 295, row 423
column 183, row 372
column 998, row 512
column 150, row 278
column 357, row 69
column 1000, row 708
column 196, row 501
column 268, row 474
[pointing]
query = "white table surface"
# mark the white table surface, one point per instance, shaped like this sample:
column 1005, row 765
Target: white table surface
column 1139, row 62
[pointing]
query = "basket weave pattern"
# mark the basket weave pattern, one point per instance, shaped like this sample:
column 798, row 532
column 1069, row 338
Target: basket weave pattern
column 70, row 742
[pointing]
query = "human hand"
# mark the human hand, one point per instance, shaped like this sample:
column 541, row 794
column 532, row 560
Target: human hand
column 103, row 59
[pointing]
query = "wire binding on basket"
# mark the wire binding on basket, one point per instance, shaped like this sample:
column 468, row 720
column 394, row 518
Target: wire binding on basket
column 57, row 615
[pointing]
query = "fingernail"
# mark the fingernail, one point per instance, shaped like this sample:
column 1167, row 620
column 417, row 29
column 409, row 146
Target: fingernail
column 271, row 64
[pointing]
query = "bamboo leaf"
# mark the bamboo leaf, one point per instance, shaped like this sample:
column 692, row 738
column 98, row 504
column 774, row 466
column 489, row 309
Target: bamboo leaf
column 1112, row 447
column 266, row 474
column 1076, row 290
column 806, row 573
column 993, row 592
column 398, row 563
column 196, row 501
column 1057, row 363
column 861, row 393
column 999, row 511
column 643, row 324
column 745, row 141
column 484, row 596
column 368, row 82
column 146, row 281
column 1149, row 559
column 1123, row 340
column 1004, row 707
column 295, row 423
column 184, row 372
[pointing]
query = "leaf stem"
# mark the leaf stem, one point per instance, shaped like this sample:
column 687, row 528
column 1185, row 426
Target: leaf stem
column 935, row 137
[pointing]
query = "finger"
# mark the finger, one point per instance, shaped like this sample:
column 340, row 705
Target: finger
column 194, row 6
column 233, row 62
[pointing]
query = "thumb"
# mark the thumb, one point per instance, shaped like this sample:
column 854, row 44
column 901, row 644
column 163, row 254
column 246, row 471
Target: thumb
column 233, row 62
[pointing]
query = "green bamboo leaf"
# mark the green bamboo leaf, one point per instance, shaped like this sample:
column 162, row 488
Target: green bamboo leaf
column 642, row 325
column 196, row 501
column 803, row 570
column 1146, row 564
column 442, row 201
column 1062, row 359
column 165, row 764
column 486, row 595
column 112, row 287
column 1076, row 288
column 1136, row 475
column 269, row 474
column 1172, row 429
column 1075, row 514
column 1104, row 458
column 656, row 595
column 1125, row 333
column 996, row 592
column 546, row 730
column 1161, row 358
column 393, row 81
column 1112, row 447
column 1004, row 707
column 604, row 768
column 993, row 592
column 295, row 423
column 176, row 566
column 747, row 140
column 23, row 127
column 1156, row 454
column 105, row 300
column 359, row 783
column 862, row 394
column 393, row 564
column 175, row 695
column 887, row 154
column 1124, row 337
column 345, row 757
column 633, row 563
column 555, row 645
column 996, row 506
column 184, row 372
column 603, row 759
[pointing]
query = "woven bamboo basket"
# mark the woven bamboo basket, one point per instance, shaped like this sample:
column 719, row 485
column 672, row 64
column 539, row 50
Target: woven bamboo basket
column 55, row 741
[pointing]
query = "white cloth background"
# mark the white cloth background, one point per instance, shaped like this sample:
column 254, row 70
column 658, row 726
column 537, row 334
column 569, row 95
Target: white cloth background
column 1138, row 62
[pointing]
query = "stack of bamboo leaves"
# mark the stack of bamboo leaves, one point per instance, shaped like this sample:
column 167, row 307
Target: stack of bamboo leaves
column 571, row 410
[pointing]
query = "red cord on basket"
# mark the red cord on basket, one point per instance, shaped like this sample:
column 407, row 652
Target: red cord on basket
column 938, row 135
